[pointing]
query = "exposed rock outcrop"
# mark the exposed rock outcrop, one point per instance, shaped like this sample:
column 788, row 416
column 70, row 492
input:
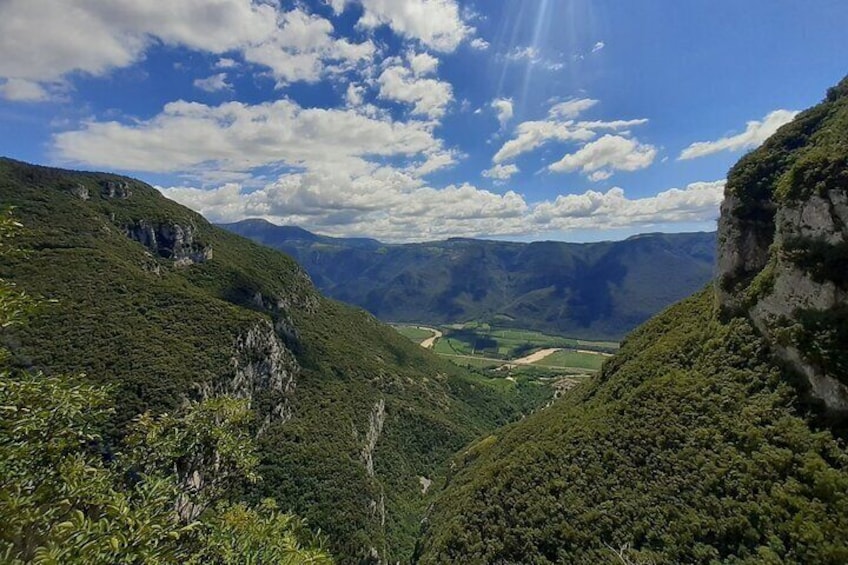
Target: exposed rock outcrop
column 79, row 191
column 262, row 365
column 375, row 428
column 170, row 241
column 115, row 189
column 783, row 246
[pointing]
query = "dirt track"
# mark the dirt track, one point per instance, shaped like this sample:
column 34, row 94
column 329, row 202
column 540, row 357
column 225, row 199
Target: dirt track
column 535, row 357
column 430, row 341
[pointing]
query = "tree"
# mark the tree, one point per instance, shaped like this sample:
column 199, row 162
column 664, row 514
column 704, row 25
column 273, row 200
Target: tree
column 66, row 497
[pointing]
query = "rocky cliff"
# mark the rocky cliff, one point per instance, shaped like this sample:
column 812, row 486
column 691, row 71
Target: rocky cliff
column 783, row 246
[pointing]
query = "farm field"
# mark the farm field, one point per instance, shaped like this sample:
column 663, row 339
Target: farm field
column 512, row 350
column 571, row 358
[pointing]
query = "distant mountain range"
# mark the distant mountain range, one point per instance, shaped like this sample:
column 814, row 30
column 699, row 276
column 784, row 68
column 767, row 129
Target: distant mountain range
column 593, row 290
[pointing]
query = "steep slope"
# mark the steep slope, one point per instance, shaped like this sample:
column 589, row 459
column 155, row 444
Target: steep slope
column 784, row 245
column 600, row 290
column 149, row 298
column 694, row 444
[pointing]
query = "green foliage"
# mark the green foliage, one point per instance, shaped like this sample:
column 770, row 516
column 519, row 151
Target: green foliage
column 207, row 449
column 689, row 448
column 414, row 333
column 157, row 334
column 242, row 535
column 63, row 499
column 824, row 261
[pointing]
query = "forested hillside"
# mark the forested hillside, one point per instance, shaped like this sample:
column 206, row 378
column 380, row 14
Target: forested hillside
column 698, row 443
column 593, row 290
column 145, row 296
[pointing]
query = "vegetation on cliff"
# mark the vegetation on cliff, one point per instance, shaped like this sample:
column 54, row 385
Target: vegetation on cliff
column 145, row 297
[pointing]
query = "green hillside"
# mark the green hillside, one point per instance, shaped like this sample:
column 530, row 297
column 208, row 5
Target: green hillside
column 698, row 442
column 145, row 296
column 690, row 448
column 593, row 290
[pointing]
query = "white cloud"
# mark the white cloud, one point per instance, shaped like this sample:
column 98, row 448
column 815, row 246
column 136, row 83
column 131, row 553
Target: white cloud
column 529, row 54
column 479, row 44
column 392, row 207
column 20, row 90
column 698, row 202
column 118, row 32
column 294, row 45
column 354, row 95
column 756, row 132
column 191, row 137
column 608, row 153
column 429, row 97
column 503, row 108
column 437, row 24
column 225, row 63
column 532, row 56
column 213, row 83
column 559, row 126
column 571, row 108
column 501, row 172
column 302, row 48
column 422, row 64
column 598, row 46
column 384, row 205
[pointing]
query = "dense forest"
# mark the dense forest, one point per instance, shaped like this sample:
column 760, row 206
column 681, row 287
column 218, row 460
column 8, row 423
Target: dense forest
column 143, row 296
column 717, row 433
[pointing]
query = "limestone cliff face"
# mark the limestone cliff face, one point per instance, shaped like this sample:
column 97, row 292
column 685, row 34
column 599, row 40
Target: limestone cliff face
column 783, row 246
column 170, row 241
column 262, row 366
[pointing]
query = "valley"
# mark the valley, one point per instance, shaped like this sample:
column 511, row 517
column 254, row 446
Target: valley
column 423, row 282
column 503, row 351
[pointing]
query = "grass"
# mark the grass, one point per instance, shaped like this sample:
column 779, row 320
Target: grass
column 413, row 333
column 495, row 346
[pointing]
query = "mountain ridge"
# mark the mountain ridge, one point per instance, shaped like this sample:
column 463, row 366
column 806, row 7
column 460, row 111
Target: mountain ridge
column 717, row 433
column 146, row 297
column 592, row 290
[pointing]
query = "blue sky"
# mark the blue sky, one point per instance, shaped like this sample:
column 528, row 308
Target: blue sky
column 418, row 119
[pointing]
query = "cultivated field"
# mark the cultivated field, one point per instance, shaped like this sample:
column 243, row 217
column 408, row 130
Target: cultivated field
column 512, row 351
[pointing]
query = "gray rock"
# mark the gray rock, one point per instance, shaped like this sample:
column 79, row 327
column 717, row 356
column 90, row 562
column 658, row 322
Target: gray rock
column 748, row 247
column 115, row 189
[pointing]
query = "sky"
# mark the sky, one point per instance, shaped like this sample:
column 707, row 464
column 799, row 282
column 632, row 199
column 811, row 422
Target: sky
column 411, row 120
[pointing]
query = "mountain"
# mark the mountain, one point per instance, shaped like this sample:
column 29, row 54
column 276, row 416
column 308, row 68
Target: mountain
column 717, row 434
column 145, row 296
column 592, row 290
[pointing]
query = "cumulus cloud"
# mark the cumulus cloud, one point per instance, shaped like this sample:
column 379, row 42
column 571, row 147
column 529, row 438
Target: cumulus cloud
column 422, row 64
column 561, row 126
column 598, row 46
column 501, row 172
column 437, row 24
column 571, row 108
column 386, row 205
column 503, row 109
column 393, row 207
column 213, row 83
column 189, row 136
column 19, row 90
column 479, row 44
column 294, row 45
column 756, row 132
column 606, row 154
column 697, row 202
column 429, row 97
